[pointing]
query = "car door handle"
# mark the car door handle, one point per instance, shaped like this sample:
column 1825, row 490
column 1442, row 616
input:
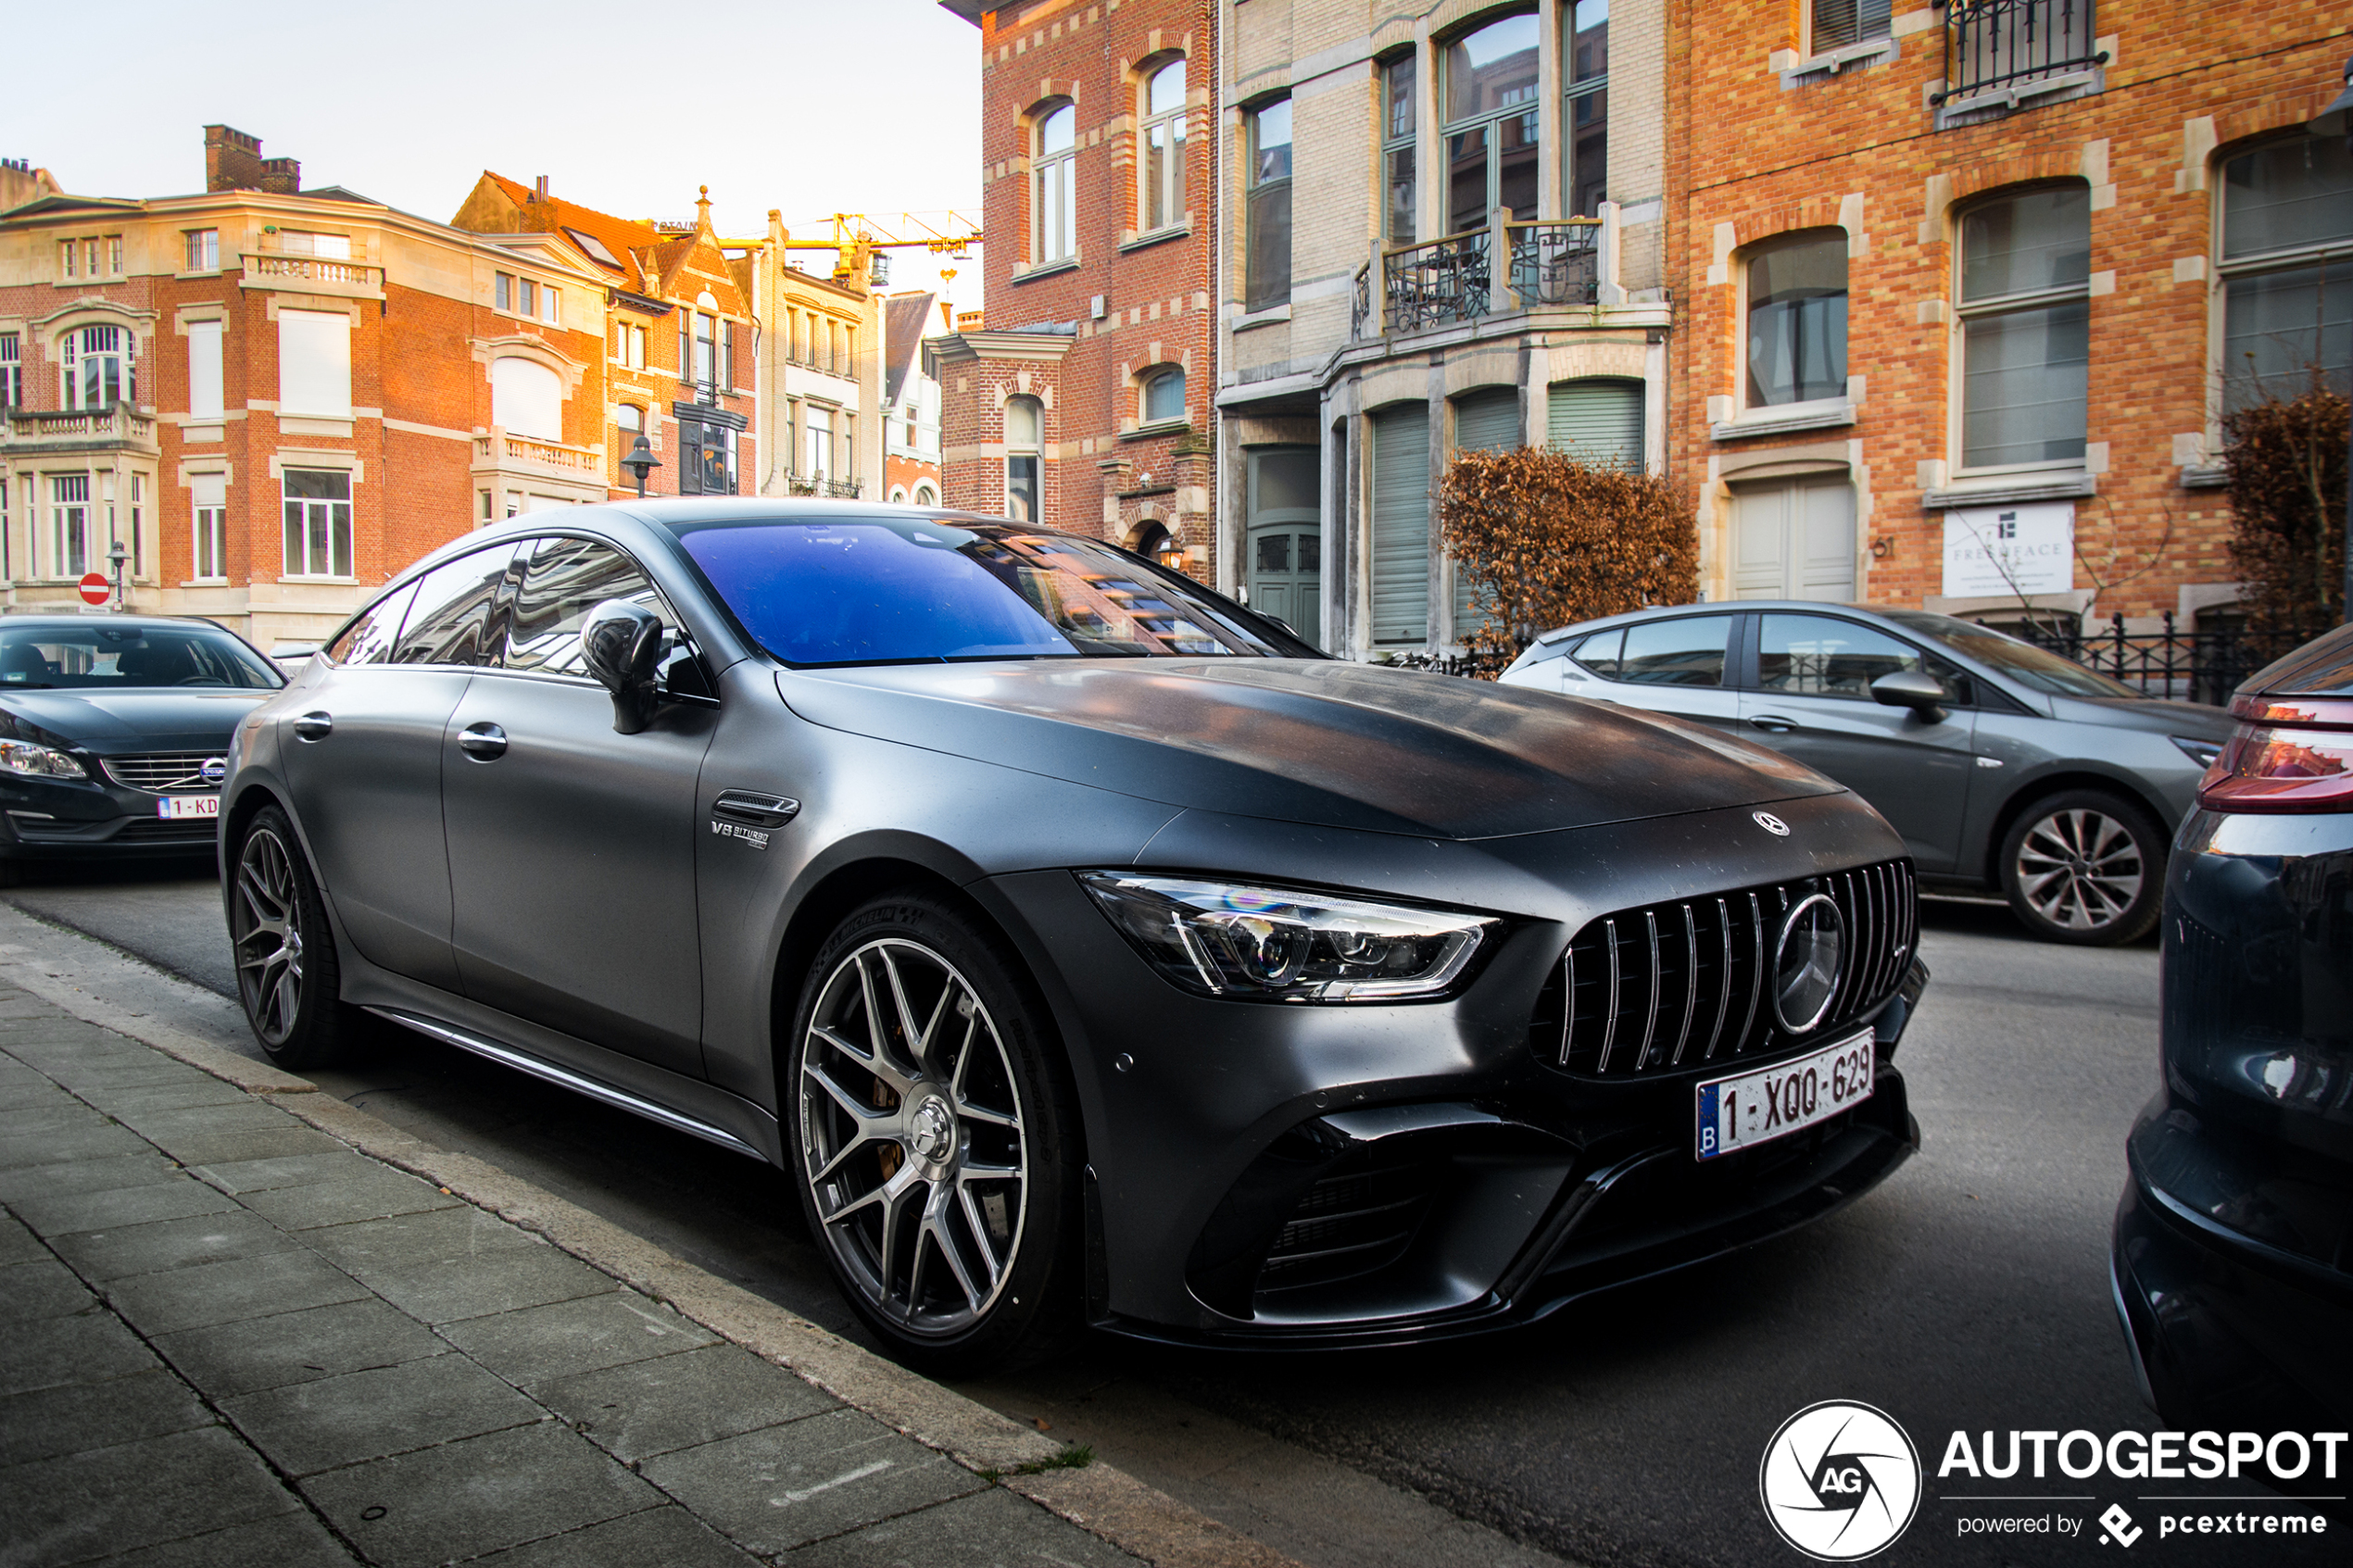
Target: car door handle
column 755, row 808
column 483, row 743
column 1773, row 723
column 314, row 727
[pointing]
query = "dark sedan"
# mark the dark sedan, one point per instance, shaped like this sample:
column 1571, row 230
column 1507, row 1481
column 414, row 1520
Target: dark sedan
column 1088, row 948
column 114, row 734
column 2234, row 1255
column 2006, row 767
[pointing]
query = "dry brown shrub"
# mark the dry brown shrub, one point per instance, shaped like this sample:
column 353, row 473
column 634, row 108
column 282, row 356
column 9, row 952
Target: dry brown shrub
column 1544, row 541
column 2286, row 462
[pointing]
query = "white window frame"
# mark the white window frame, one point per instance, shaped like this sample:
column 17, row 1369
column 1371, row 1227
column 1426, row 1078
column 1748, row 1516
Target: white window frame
column 72, row 525
column 11, row 372
column 1154, row 378
column 1032, row 451
column 208, row 528
column 101, row 340
column 1163, row 204
column 202, row 251
column 1966, row 312
column 2333, row 254
column 1054, row 188
column 337, row 516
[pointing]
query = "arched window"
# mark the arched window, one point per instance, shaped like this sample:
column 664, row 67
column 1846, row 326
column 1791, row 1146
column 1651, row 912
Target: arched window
column 1162, row 201
column 1054, row 165
column 1025, row 449
column 1492, row 123
column 526, row 398
column 1165, row 396
column 1797, row 319
column 98, row 367
column 925, row 495
column 898, row 495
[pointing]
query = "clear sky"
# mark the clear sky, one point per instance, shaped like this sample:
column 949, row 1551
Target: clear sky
column 812, row 106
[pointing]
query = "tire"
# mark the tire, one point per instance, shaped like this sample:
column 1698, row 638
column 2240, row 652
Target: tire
column 2084, row 867
column 921, row 1058
column 287, row 975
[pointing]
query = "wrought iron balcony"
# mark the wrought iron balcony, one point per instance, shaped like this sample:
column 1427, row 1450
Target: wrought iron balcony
column 1502, row 268
column 1436, row 284
column 1556, row 263
column 1999, row 53
column 819, row 484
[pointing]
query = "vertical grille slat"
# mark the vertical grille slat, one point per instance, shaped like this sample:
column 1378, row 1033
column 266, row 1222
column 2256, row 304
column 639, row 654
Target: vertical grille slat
column 1612, row 970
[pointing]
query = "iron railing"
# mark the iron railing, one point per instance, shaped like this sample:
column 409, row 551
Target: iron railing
column 1556, row 263
column 1360, row 309
column 1440, row 282
column 2189, row 666
column 1477, row 664
column 1994, row 48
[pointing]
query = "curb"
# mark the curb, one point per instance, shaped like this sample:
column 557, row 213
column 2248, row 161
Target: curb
column 1099, row 1498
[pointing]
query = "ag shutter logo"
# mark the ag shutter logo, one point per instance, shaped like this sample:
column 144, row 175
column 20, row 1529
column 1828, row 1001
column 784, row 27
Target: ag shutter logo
column 1840, row 1481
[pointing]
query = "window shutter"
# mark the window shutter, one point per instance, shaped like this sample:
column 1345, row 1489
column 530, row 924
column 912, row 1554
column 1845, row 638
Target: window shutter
column 1401, row 526
column 1484, row 421
column 1597, row 421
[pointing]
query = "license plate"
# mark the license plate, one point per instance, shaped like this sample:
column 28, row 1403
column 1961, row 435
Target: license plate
column 1772, row 1102
column 174, row 807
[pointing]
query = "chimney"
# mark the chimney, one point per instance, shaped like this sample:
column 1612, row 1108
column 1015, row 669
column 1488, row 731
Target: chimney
column 540, row 187
column 231, row 159
column 281, row 176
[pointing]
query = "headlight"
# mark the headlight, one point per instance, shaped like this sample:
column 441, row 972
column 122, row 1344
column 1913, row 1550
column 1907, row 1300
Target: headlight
column 39, row 761
column 2202, row 752
column 1282, row 945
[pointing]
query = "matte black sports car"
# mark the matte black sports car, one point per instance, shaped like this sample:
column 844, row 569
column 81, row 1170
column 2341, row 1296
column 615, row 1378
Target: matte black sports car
column 1089, row 949
column 114, row 734
column 2234, row 1250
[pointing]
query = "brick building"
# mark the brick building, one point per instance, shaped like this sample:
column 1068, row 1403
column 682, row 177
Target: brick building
column 910, row 403
column 1084, row 403
column 1443, row 232
column 272, row 398
column 1965, row 290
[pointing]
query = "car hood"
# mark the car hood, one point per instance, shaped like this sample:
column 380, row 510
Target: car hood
column 2157, row 715
column 1323, row 743
column 118, row 723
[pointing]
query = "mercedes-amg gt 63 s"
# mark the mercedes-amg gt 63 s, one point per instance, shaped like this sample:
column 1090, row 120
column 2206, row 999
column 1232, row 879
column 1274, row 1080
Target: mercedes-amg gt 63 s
column 1089, row 948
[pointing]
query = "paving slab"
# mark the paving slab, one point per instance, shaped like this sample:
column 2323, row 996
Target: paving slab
column 409, row 1241
column 659, row 1537
column 123, row 1250
column 307, row 1427
column 672, row 1402
column 69, row 1213
column 541, row 1344
column 784, row 1487
column 504, row 1281
column 288, row 1142
column 84, row 1505
column 88, row 1347
column 68, row 1418
column 374, row 1192
column 207, row 1090
column 86, row 1176
column 92, row 1138
column 41, row 1288
column 19, row 1245
column 226, row 1360
column 289, row 1540
column 464, row 1498
column 259, row 1175
column 227, row 1292
column 986, row 1529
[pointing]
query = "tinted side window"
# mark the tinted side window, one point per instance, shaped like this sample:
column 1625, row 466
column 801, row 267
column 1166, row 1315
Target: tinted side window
column 1687, row 651
column 1599, row 653
column 562, row 581
column 1816, row 656
column 372, row 635
column 451, row 616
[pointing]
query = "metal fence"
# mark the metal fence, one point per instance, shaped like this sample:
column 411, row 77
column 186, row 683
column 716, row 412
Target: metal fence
column 1483, row 666
column 1993, row 46
column 2190, row 666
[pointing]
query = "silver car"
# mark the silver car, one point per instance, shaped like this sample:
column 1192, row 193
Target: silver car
column 2003, row 765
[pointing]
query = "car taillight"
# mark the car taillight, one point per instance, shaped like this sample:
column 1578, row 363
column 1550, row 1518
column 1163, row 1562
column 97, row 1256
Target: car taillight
column 2288, row 754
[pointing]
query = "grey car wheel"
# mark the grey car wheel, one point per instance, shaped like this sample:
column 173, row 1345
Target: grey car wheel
column 929, row 1134
column 287, row 976
column 2085, row 868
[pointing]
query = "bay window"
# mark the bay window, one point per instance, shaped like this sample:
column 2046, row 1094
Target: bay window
column 1054, row 222
column 2287, row 269
column 1797, row 319
column 1267, row 217
column 1585, row 118
column 2025, row 309
column 1162, row 201
column 1492, row 124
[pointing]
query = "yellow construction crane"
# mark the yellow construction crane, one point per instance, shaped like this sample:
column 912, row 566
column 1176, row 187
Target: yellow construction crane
column 858, row 235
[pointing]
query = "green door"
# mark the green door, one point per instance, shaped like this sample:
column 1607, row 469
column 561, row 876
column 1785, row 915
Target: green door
column 1286, row 560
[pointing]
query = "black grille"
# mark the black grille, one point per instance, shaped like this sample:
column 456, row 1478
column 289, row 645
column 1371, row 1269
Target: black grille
column 178, row 773
column 168, row 830
column 1680, row 986
column 1359, row 1217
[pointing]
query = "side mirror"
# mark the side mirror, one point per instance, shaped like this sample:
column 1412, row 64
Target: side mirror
column 1921, row 692
column 620, row 644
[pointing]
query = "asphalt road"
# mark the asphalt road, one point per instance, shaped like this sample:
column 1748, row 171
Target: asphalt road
column 1970, row 1293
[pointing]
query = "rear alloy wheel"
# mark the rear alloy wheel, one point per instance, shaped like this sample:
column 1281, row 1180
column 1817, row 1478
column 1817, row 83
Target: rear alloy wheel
column 2085, row 868
column 287, row 976
column 930, row 1135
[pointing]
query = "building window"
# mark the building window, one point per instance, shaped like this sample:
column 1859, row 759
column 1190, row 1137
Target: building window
column 332, row 248
column 1797, row 321
column 204, row 250
column 705, row 370
column 526, row 398
column 1054, row 237
column 11, row 373
column 2287, row 269
column 1266, row 263
column 1165, row 396
column 550, row 309
column 628, row 423
column 1490, row 131
column 210, row 494
column 1586, row 114
column 2025, row 290
column 1162, row 202
column 925, row 495
column 629, row 345
column 502, row 291
column 1400, row 112
column 69, row 524
column 1840, row 22
column 114, row 256
column 69, row 256
column 706, row 458
column 526, row 297
column 1023, row 451
column 314, row 363
column 727, row 355
column 318, row 522
column 138, row 526
column 97, row 368
column 817, row 428
column 205, row 399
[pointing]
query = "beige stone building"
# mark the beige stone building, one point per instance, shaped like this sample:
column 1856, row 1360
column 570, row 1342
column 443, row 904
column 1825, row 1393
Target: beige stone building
column 1443, row 231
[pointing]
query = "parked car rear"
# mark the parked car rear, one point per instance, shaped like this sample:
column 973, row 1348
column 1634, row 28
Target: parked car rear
column 2232, row 1260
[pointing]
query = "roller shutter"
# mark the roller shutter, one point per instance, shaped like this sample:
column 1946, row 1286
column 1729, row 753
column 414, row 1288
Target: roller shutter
column 1401, row 526
column 1597, row 421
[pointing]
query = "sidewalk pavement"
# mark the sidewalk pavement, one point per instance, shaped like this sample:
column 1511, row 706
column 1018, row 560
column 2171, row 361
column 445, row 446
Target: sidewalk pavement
column 235, row 1330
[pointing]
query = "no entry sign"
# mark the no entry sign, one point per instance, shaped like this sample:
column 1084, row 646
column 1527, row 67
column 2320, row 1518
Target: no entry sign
column 96, row 589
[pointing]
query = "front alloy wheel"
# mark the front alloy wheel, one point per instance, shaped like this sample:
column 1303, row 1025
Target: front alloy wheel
column 286, row 972
column 2085, row 868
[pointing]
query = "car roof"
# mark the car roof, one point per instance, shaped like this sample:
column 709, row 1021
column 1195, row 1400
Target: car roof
column 68, row 619
column 1718, row 607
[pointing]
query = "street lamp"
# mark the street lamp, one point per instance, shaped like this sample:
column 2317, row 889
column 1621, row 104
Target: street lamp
column 116, row 555
column 2337, row 120
column 641, row 463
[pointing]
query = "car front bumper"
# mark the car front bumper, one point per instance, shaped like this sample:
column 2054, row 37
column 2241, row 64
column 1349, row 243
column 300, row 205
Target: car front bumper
column 61, row 819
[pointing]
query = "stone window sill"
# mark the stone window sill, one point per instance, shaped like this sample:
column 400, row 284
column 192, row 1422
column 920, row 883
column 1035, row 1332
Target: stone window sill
column 1869, row 52
column 1769, row 421
column 1265, row 317
column 1046, row 269
column 2205, row 476
column 1157, row 236
column 2060, row 485
column 1158, row 427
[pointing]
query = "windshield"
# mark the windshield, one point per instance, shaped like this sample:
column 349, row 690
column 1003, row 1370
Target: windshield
column 855, row 590
column 2020, row 660
column 122, row 658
